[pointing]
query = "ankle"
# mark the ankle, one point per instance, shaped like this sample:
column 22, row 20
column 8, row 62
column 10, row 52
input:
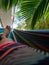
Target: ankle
column 3, row 37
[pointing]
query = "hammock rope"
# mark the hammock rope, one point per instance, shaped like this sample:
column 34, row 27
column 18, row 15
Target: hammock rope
column 1, row 23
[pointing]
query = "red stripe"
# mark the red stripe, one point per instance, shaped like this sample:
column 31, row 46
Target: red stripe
column 5, row 45
column 38, row 34
column 8, row 51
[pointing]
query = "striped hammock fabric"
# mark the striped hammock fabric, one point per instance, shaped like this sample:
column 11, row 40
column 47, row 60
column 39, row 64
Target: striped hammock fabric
column 33, row 38
column 35, row 53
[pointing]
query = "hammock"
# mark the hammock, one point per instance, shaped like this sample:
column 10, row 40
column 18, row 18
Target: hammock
column 33, row 38
column 38, row 54
column 39, row 39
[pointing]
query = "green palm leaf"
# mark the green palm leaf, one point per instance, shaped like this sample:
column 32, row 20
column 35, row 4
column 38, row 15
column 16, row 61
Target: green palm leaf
column 7, row 4
column 41, row 9
column 32, row 10
column 27, row 9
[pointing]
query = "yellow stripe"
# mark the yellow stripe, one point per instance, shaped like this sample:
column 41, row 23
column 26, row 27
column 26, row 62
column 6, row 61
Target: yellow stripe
column 14, row 37
column 23, row 38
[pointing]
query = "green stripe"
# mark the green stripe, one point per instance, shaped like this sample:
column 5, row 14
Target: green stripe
column 23, row 38
column 14, row 36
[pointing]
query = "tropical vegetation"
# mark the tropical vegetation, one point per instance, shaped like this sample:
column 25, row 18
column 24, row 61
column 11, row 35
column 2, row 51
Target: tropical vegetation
column 35, row 12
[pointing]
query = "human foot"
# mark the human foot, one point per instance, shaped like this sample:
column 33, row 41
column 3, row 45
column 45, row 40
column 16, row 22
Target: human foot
column 6, row 32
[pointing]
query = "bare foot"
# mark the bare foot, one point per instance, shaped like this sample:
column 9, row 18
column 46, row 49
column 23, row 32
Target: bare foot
column 6, row 32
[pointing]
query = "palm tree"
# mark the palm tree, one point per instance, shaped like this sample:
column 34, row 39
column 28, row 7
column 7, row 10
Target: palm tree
column 31, row 10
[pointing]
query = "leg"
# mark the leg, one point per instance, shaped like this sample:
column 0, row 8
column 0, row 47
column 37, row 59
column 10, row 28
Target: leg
column 6, row 32
column 3, row 38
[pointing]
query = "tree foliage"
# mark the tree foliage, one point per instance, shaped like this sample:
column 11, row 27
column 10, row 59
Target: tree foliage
column 31, row 10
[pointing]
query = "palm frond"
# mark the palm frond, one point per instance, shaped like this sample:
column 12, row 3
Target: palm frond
column 32, row 10
column 7, row 4
column 39, row 11
column 27, row 8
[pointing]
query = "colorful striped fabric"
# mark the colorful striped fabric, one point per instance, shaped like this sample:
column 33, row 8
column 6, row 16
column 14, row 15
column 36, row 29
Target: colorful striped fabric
column 34, row 38
column 7, row 48
column 26, row 56
column 1, row 30
column 36, row 51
